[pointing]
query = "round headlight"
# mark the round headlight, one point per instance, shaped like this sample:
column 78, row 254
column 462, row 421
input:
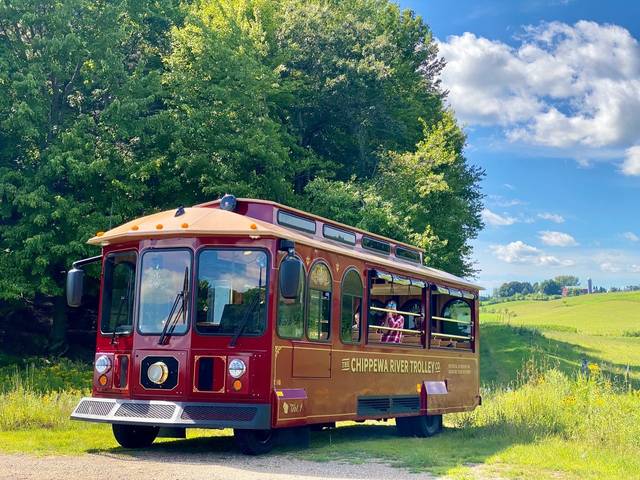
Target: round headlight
column 158, row 372
column 237, row 368
column 103, row 364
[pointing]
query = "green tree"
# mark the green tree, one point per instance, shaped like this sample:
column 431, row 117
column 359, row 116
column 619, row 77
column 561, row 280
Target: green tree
column 510, row 289
column 407, row 199
column 550, row 287
column 361, row 74
column 219, row 105
column 110, row 110
column 74, row 77
column 567, row 280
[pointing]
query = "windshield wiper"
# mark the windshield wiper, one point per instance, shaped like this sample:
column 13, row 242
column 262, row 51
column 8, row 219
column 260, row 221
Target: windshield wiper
column 245, row 320
column 170, row 324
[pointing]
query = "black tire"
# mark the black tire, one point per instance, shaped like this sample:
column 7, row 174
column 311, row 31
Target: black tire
column 427, row 425
column 254, row 442
column 134, row 436
column 404, row 425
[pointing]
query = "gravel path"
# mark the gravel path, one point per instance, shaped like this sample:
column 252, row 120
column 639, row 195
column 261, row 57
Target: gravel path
column 210, row 466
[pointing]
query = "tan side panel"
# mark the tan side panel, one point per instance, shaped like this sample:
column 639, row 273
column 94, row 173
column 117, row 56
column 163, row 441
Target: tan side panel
column 311, row 362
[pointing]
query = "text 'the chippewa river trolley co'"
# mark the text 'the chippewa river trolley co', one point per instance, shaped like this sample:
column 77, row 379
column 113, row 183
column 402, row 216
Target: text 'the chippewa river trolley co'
column 251, row 315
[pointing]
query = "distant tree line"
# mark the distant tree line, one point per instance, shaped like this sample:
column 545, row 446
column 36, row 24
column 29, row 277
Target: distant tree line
column 112, row 110
column 549, row 287
column 552, row 286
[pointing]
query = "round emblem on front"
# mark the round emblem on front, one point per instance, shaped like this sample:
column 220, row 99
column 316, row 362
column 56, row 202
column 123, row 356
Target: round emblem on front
column 158, row 373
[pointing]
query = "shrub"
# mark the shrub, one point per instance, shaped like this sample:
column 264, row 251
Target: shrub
column 40, row 393
column 24, row 407
column 588, row 409
column 631, row 333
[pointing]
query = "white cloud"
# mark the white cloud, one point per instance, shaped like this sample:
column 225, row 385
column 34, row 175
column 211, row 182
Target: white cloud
column 631, row 163
column 520, row 252
column 552, row 217
column 515, row 252
column 609, row 267
column 634, row 268
column 632, row 237
column 562, row 86
column 557, row 239
column 500, row 201
column 492, row 218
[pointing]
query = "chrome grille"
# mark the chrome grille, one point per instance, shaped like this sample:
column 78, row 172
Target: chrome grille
column 145, row 410
column 204, row 412
column 91, row 407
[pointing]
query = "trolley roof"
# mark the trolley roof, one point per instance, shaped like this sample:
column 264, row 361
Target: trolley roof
column 207, row 219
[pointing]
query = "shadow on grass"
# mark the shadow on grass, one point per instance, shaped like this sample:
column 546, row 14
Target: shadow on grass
column 505, row 350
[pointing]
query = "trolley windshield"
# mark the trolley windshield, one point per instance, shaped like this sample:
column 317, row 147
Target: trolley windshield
column 164, row 287
column 231, row 292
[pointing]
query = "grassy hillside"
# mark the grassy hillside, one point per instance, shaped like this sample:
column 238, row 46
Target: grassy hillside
column 604, row 329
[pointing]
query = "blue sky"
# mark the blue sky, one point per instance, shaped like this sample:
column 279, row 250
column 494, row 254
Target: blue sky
column 548, row 92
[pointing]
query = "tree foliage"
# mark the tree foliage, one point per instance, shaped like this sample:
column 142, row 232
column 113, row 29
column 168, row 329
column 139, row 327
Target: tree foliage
column 110, row 110
column 510, row 289
column 567, row 280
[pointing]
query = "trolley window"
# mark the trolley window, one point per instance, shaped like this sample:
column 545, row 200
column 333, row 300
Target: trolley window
column 118, row 292
column 452, row 326
column 339, row 235
column 407, row 254
column 351, row 307
column 232, row 291
column 291, row 312
column 319, row 298
column 294, row 221
column 376, row 245
column 395, row 310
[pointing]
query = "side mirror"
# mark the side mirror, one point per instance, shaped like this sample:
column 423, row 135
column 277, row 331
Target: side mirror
column 75, row 281
column 290, row 277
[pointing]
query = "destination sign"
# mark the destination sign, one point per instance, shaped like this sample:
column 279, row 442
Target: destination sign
column 388, row 365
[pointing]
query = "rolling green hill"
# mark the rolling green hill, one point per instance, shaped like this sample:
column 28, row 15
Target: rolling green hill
column 602, row 328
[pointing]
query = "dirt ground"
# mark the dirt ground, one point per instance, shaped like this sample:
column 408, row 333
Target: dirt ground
column 210, row 466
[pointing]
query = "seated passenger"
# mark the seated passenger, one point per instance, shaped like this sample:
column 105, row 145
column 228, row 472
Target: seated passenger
column 392, row 320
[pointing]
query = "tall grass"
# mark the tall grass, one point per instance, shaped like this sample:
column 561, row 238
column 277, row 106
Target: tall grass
column 589, row 409
column 41, row 395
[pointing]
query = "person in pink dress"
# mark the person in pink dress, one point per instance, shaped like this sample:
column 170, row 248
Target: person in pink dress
column 392, row 320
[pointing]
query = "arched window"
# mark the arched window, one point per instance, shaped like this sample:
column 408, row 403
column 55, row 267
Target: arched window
column 460, row 311
column 351, row 307
column 319, row 298
column 291, row 312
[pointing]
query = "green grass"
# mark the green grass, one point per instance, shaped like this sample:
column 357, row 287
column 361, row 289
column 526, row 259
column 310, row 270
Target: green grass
column 540, row 417
column 599, row 328
column 598, row 314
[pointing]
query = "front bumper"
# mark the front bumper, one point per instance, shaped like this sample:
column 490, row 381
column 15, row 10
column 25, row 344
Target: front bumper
column 174, row 414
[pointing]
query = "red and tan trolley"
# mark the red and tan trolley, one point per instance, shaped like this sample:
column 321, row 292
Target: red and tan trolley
column 252, row 315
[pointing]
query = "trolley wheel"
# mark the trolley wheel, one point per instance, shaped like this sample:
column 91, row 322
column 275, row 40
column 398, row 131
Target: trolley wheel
column 404, row 426
column 254, row 442
column 134, row 436
column 427, row 425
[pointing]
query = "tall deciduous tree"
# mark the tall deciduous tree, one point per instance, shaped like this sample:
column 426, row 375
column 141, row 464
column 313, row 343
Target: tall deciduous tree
column 73, row 76
column 109, row 110
column 429, row 197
